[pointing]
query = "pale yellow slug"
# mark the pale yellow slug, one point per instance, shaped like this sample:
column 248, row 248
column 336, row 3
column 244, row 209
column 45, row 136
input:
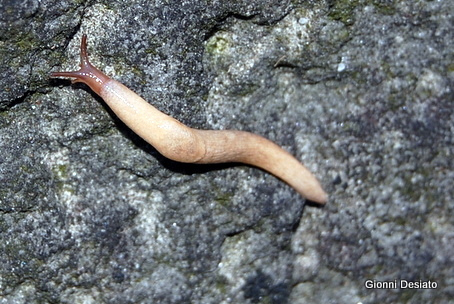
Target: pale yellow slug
column 180, row 143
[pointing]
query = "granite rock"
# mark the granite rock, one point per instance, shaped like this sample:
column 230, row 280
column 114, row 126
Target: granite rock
column 360, row 91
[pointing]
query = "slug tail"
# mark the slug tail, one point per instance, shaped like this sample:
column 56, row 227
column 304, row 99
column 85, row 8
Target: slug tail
column 286, row 167
column 255, row 150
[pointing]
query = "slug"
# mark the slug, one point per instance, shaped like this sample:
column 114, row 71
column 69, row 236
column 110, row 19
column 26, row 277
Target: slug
column 180, row 143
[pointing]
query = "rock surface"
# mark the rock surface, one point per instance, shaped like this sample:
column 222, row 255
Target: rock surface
column 360, row 91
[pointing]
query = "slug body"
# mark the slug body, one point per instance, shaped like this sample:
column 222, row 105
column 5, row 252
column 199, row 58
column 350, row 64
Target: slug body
column 178, row 142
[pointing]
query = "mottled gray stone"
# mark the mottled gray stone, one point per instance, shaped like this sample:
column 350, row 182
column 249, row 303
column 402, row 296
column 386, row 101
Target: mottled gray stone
column 360, row 91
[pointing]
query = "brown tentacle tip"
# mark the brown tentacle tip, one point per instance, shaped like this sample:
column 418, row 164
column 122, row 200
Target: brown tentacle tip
column 87, row 73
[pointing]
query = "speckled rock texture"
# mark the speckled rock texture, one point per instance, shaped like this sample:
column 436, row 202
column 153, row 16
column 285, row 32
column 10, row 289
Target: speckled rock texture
column 360, row 91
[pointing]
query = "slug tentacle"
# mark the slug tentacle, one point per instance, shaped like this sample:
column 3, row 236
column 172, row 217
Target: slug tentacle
column 178, row 142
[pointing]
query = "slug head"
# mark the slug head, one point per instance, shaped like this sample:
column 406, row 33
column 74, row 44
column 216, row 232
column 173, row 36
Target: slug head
column 87, row 74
